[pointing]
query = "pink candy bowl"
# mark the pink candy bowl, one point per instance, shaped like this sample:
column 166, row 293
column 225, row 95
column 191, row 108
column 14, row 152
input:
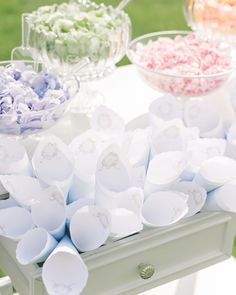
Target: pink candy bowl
column 176, row 62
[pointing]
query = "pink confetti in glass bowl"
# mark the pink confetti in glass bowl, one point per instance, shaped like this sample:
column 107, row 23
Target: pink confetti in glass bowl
column 181, row 63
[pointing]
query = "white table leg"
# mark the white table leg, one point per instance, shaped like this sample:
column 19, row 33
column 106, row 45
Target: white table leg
column 6, row 286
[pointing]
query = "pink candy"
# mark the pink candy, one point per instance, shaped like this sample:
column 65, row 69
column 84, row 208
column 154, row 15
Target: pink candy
column 177, row 65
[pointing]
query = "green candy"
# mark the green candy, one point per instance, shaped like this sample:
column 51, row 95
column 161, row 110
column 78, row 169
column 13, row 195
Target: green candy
column 71, row 31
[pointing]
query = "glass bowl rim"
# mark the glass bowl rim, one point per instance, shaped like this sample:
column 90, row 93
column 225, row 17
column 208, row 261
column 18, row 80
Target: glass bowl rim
column 159, row 72
column 49, row 110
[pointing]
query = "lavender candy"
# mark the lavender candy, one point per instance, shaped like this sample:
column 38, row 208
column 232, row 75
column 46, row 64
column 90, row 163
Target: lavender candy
column 30, row 100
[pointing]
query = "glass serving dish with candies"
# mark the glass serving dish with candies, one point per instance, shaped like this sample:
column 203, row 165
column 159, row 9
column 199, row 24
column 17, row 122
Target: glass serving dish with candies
column 32, row 98
column 62, row 35
column 181, row 63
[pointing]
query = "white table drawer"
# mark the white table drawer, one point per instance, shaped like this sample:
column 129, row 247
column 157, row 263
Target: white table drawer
column 174, row 251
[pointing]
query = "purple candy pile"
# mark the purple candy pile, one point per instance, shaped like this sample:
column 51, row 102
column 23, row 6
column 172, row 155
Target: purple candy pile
column 30, row 100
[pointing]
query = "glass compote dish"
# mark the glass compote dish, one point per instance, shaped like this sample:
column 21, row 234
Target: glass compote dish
column 213, row 17
column 79, row 37
column 181, row 63
column 32, row 99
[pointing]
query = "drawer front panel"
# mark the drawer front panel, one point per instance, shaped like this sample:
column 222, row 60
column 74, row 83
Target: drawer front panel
column 113, row 269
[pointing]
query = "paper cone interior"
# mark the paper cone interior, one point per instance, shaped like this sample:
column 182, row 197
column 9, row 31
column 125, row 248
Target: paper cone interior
column 218, row 170
column 196, row 196
column 163, row 170
column 24, row 189
column 15, row 222
column 124, row 223
column 163, row 208
column 36, row 245
column 90, row 228
column 225, row 197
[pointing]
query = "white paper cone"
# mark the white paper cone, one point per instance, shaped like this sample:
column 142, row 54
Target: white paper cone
column 105, row 198
column 164, row 208
column 171, row 137
column 164, row 108
column 24, row 189
column 113, row 171
column 196, row 196
column 137, row 176
column 50, row 212
column 64, row 272
column 132, row 200
column 107, row 122
column 201, row 114
column 7, row 203
column 13, row 158
column 124, row 223
column 53, row 163
column 73, row 207
column 222, row 198
column 231, row 141
column 15, row 222
column 164, row 169
column 35, row 247
column 201, row 150
column 82, row 186
column 215, row 172
column 90, row 228
column 137, row 147
column 86, row 149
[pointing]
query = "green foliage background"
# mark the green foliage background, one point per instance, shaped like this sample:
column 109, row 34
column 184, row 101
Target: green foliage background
column 146, row 15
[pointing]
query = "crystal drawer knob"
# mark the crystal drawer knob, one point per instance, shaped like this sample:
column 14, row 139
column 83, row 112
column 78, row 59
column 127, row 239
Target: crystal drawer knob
column 146, row 271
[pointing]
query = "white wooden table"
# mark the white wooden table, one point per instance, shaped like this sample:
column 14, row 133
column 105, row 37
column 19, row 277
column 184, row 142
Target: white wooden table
column 175, row 251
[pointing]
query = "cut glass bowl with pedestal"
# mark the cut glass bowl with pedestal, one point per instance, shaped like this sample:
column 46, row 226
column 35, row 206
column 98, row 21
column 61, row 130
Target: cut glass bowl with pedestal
column 32, row 98
column 79, row 37
column 181, row 63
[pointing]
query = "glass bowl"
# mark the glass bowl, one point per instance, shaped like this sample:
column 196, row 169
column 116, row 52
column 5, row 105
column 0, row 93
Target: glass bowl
column 61, row 36
column 31, row 98
column 167, row 80
column 213, row 17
